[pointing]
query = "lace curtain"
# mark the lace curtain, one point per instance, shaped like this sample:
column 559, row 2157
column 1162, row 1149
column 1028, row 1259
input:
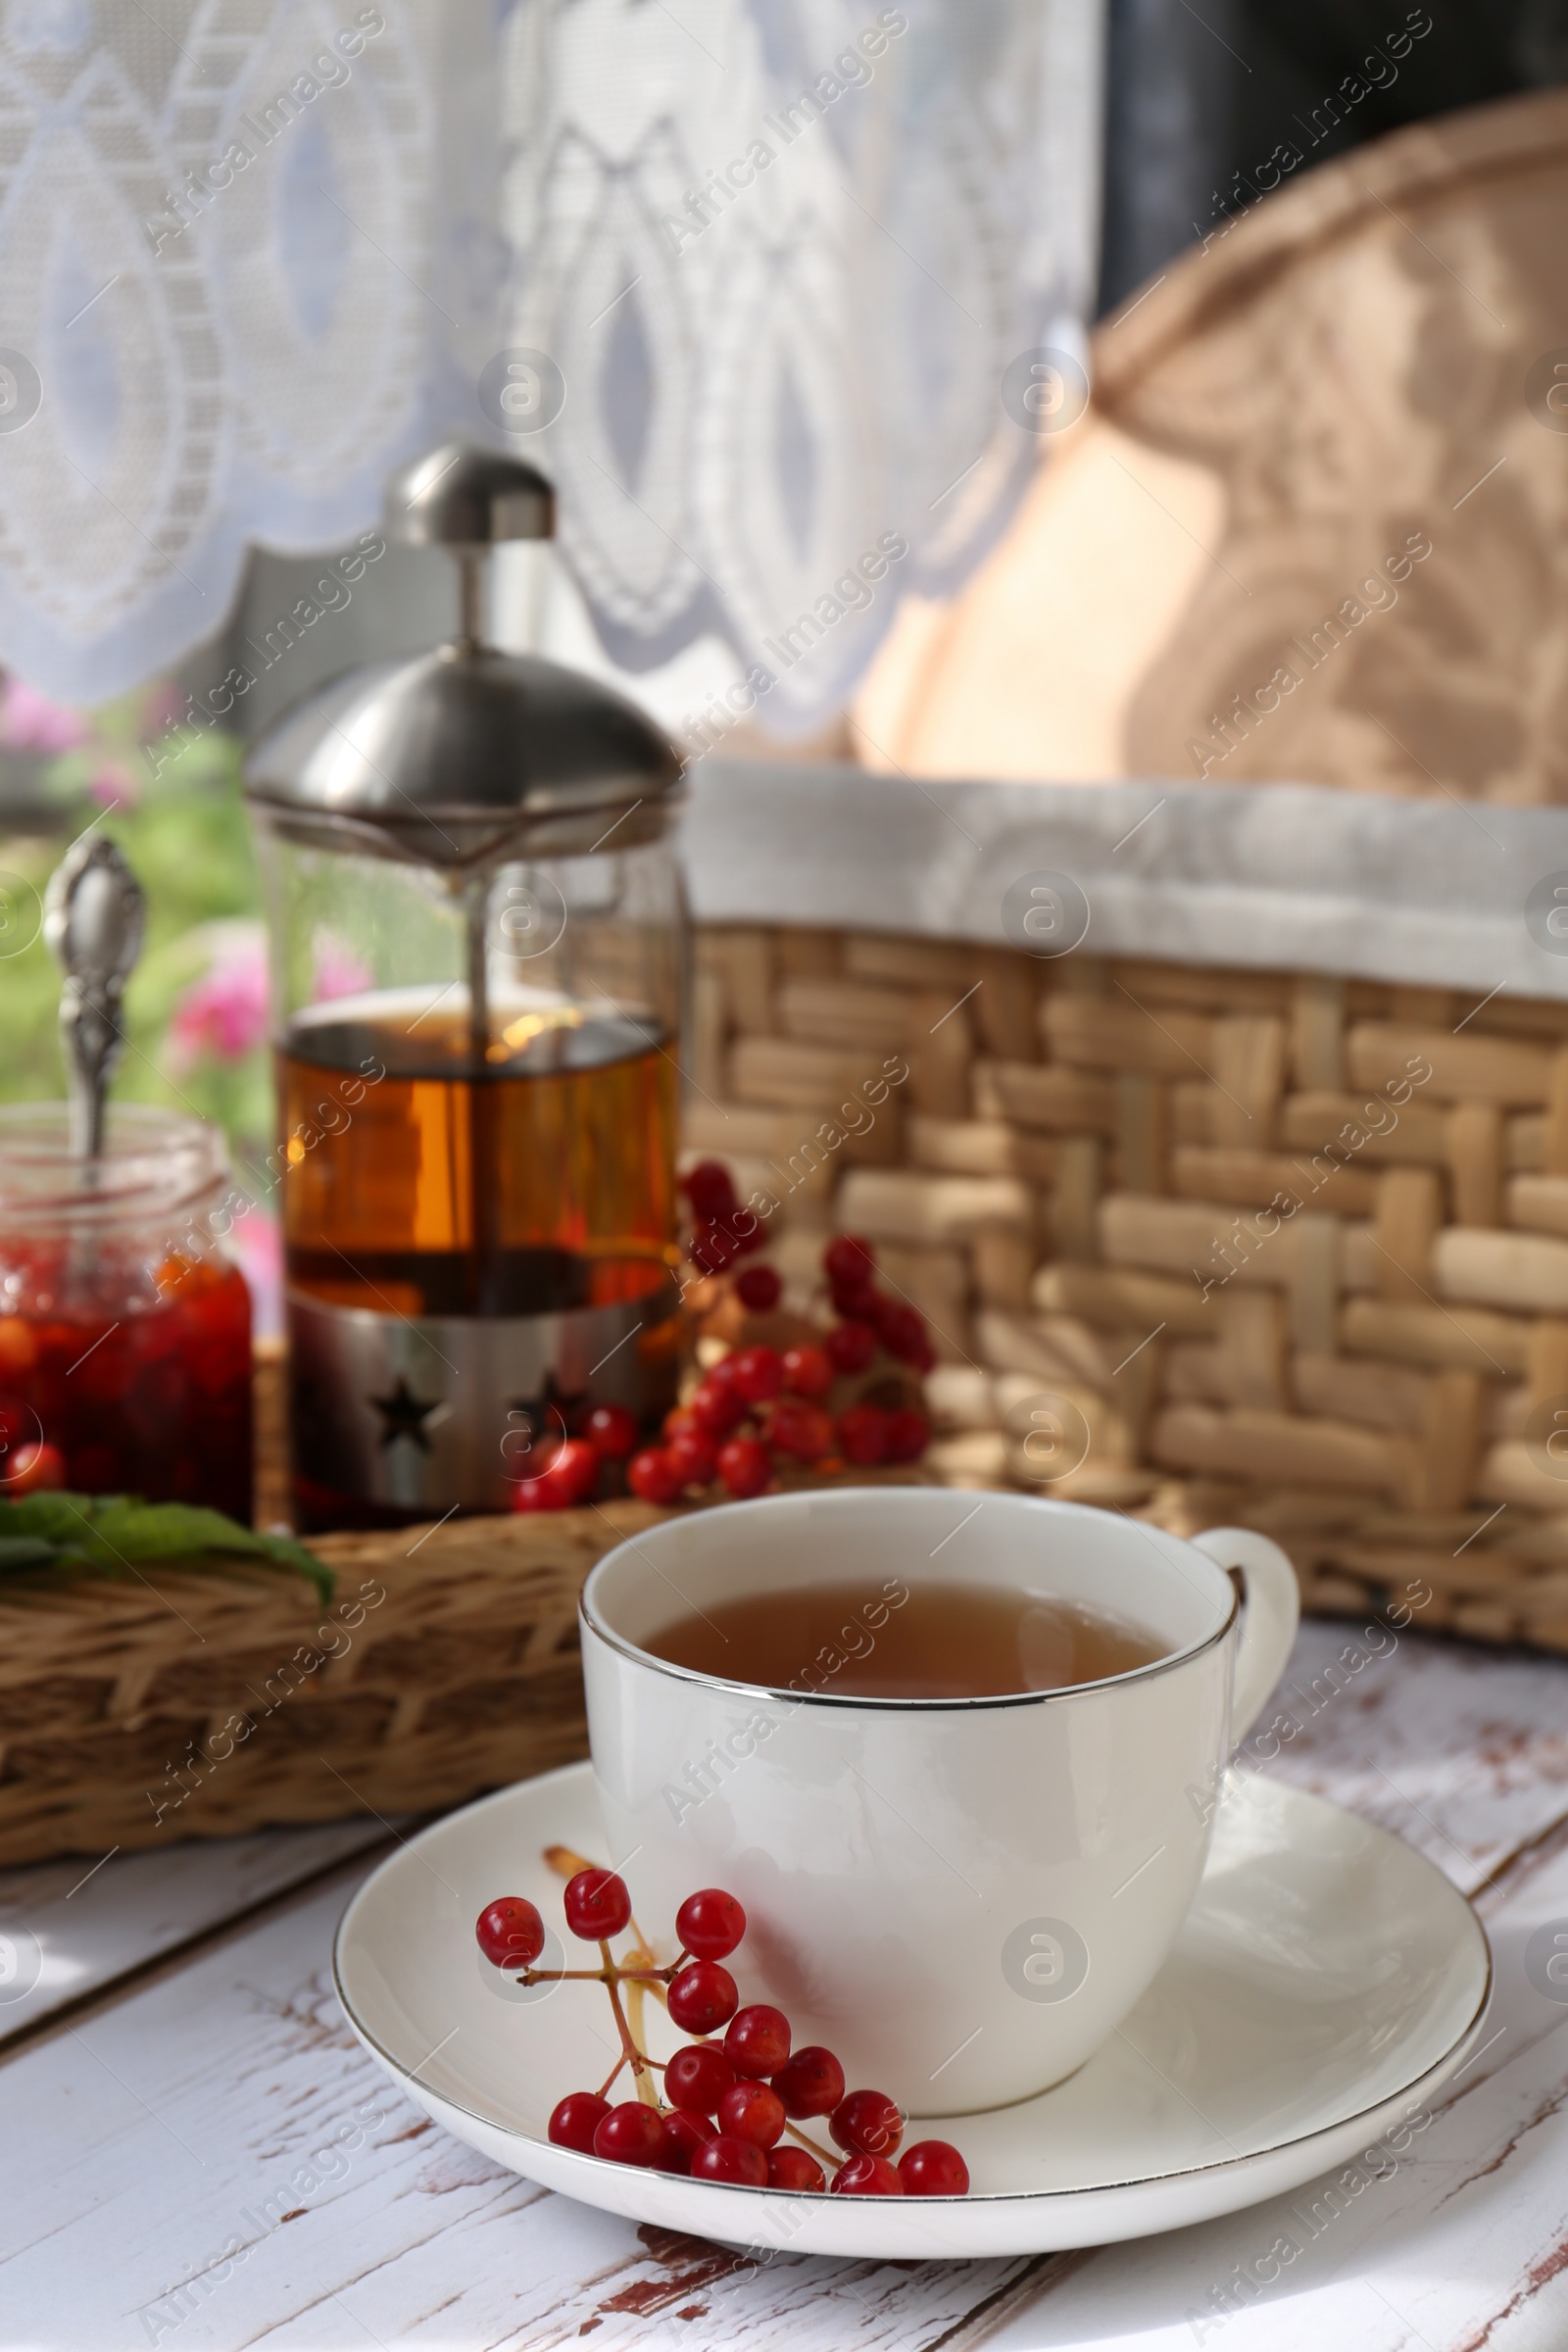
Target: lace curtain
column 759, row 281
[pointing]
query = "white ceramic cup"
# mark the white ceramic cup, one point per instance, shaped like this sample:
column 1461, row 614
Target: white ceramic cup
column 962, row 1897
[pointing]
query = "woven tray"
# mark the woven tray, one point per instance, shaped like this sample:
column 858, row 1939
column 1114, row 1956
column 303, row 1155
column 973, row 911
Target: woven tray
column 197, row 1705
column 1080, row 1146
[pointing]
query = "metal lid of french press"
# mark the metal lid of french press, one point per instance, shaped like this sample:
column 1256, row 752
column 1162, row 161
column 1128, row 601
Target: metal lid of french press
column 465, row 752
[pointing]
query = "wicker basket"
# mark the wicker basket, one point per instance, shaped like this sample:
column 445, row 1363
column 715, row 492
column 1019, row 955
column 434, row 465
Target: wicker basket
column 187, row 1704
column 1157, row 1195
column 132, row 1714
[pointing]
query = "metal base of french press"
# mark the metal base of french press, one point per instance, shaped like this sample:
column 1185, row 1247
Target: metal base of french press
column 409, row 1417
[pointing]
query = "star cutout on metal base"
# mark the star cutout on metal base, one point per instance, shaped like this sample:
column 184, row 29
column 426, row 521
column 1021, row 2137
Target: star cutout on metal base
column 403, row 1417
column 530, row 1421
column 553, row 1403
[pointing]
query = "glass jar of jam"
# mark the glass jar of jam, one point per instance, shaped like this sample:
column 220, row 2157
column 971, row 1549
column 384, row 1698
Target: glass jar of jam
column 125, row 1328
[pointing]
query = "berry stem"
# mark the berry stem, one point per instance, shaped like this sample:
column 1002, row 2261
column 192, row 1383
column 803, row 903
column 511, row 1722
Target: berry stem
column 641, row 1963
column 594, row 1976
column 603, row 2087
column 823, row 2155
column 647, row 2090
column 636, row 1989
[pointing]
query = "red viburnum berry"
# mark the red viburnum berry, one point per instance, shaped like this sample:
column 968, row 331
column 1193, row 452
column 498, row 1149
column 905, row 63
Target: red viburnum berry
column 752, row 2111
column 863, row 1434
column 539, row 1494
column 612, row 1430
column 743, row 1466
column 759, row 2040
column 810, row 2082
column 654, row 1476
column 796, row 2169
column 868, row 2124
column 760, row 1289
column 680, row 2138
column 573, row 1472
column 698, row 2077
column 867, row 2177
column 807, row 1371
column 716, row 1406
column 847, row 1261
column 933, row 2168
column 801, row 1429
column 758, row 1373
column 510, row 1931
column 702, row 1998
column 855, row 1307
column 34, row 1468
column 903, row 1329
column 711, row 1190
column 597, row 1905
column 709, row 1924
column 729, row 2159
column 851, row 1346
column 693, row 1457
column 906, row 1436
column 576, row 2118
column 630, row 2134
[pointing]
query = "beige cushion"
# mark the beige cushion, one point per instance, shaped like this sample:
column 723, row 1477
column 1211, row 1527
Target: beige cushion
column 1337, row 383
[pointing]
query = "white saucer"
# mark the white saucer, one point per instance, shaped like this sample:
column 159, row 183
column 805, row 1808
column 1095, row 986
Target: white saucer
column 1327, row 1981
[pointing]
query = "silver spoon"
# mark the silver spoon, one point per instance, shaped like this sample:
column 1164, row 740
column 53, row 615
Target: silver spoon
column 93, row 916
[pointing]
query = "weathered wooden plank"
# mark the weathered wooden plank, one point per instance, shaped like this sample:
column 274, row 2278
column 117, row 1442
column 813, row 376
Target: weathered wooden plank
column 95, row 1922
column 1462, row 1754
column 1454, row 2242
column 163, row 2139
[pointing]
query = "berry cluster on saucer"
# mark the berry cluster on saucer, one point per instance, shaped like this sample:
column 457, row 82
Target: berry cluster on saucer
column 731, row 2107
column 806, row 1397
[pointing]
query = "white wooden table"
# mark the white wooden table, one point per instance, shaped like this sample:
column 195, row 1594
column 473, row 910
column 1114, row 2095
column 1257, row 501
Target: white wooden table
column 184, row 2060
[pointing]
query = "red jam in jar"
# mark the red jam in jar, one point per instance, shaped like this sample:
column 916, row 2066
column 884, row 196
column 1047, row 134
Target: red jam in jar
column 124, row 1330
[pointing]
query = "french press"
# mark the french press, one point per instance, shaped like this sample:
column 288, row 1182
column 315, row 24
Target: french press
column 478, row 945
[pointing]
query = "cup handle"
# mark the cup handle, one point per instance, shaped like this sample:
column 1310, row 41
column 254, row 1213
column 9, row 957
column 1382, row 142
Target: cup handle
column 1273, row 1613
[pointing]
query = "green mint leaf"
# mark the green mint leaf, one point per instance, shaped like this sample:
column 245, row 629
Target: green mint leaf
column 25, row 1552
column 115, row 1531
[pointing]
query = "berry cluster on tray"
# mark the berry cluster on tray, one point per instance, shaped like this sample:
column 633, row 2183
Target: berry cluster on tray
column 815, row 1395
column 727, row 2106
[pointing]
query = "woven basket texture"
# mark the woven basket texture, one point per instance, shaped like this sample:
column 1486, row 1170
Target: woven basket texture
column 184, row 1704
column 1270, row 1248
